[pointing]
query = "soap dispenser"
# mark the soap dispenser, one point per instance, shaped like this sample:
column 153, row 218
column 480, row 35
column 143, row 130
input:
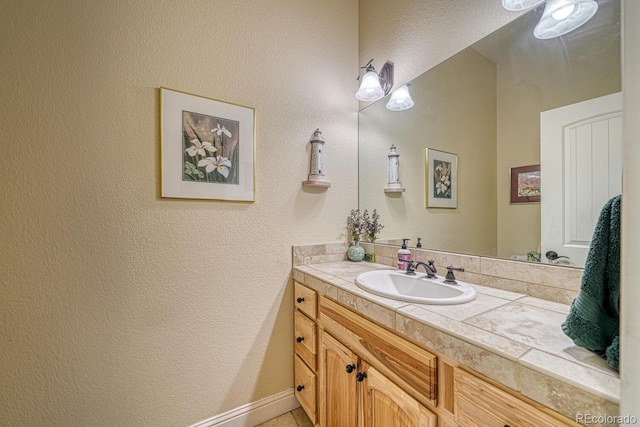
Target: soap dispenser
column 419, row 244
column 404, row 255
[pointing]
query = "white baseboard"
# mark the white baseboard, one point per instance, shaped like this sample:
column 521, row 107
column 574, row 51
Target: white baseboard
column 254, row 413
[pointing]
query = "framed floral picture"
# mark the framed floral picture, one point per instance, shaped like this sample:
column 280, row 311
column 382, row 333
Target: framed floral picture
column 441, row 173
column 207, row 148
column 525, row 184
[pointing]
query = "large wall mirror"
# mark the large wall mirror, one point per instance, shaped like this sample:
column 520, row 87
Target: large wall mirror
column 508, row 102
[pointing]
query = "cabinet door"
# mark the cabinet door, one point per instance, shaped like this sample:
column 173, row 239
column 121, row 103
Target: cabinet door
column 480, row 404
column 385, row 404
column 338, row 385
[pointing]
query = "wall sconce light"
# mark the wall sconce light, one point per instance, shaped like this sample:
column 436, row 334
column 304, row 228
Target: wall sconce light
column 517, row 5
column 563, row 16
column 374, row 86
column 400, row 99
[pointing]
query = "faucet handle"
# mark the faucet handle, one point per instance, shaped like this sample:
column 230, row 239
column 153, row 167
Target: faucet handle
column 432, row 265
column 450, row 278
column 411, row 266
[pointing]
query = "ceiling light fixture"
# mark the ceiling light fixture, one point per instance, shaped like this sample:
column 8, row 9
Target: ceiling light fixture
column 374, row 86
column 517, row 5
column 400, row 99
column 563, row 16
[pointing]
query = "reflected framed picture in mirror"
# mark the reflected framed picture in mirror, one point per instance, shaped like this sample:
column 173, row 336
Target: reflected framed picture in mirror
column 441, row 172
column 525, row 184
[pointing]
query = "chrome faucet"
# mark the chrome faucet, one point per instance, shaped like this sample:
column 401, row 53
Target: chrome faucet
column 429, row 268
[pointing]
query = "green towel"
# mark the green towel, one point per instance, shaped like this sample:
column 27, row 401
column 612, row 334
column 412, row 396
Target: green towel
column 593, row 320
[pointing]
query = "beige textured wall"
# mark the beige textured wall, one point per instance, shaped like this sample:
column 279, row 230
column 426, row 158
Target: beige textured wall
column 456, row 113
column 419, row 34
column 119, row 308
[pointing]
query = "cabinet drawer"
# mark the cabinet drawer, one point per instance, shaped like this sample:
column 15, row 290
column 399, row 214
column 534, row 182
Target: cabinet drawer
column 304, row 339
column 305, row 300
column 305, row 388
column 478, row 403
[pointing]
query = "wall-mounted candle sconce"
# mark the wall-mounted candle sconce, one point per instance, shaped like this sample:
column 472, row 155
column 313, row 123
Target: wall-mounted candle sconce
column 316, row 175
column 374, row 86
column 394, row 185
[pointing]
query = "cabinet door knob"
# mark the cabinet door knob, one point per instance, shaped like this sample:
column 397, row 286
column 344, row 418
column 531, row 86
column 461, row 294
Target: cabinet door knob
column 360, row 376
column 300, row 339
column 300, row 388
column 300, row 299
column 351, row 368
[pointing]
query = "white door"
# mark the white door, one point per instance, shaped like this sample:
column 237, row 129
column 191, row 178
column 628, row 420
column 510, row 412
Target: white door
column 581, row 168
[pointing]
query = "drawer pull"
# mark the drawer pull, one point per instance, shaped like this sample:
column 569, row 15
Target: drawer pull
column 351, row 368
column 360, row 376
column 300, row 300
column 300, row 339
column 300, row 388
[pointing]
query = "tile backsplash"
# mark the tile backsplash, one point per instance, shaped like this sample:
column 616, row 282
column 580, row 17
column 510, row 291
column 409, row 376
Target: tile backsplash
column 550, row 282
column 313, row 254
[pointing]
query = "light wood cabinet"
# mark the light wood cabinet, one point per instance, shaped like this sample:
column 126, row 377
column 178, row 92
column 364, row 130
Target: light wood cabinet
column 305, row 300
column 304, row 339
column 352, row 372
column 353, row 393
column 385, row 404
column 305, row 388
column 357, row 361
column 305, row 344
column 338, row 384
column 411, row 367
column 480, row 404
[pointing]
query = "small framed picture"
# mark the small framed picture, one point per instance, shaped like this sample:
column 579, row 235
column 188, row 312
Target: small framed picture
column 441, row 173
column 525, row 184
column 208, row 148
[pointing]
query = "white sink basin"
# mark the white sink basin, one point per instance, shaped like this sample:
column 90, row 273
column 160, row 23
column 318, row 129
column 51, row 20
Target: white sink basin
column 397, row 285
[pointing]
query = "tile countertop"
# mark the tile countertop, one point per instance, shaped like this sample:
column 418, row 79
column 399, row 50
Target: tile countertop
column 510, row 337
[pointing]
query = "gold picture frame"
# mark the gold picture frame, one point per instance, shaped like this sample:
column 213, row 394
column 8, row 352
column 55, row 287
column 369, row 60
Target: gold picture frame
column 441, row 179
column 207, row 148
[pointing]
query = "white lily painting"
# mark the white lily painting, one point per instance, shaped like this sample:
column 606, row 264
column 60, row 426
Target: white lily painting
column 442, row 179
column 441, row 173
column 210, row 149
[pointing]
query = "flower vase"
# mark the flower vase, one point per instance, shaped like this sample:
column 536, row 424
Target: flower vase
column 355, row 252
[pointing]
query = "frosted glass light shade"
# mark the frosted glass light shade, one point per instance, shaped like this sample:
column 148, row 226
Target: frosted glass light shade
column 516, row 5
column 400, row 99
column 563, row 16
column 370, row 89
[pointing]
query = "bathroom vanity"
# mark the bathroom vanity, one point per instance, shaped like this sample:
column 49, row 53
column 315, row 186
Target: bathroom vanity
column 366, row 360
